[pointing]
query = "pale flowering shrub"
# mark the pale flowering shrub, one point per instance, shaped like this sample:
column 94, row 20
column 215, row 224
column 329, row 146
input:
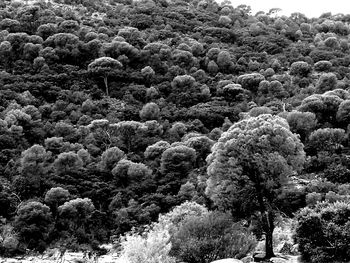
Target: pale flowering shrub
column 179, row 214
column 150, row 247
column 153, row 245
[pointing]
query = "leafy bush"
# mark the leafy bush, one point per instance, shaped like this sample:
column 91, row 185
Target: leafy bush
column 323, row 232
column 214, row 236
column 8, row 240
column 150, row 246
column 153, row 244
column 173, row 220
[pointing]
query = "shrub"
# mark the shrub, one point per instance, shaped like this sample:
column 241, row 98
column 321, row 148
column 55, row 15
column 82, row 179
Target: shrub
column 173, row 220
column 8, row 240
column 152, row 246
column 323, row 232
column 215, row 236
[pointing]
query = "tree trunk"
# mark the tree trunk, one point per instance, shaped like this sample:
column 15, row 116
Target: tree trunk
column 268, row 226
column 267, row 218
column 106, row 85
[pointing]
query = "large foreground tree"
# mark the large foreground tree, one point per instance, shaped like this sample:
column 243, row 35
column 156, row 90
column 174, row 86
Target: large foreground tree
column 249, row 167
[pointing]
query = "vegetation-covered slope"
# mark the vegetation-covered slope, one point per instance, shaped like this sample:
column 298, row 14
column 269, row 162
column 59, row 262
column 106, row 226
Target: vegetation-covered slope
column 109, row 110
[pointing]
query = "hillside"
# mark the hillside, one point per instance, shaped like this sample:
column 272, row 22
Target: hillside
column 115, row 112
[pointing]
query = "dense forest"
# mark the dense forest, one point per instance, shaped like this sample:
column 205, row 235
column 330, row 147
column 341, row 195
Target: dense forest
column 186, row 128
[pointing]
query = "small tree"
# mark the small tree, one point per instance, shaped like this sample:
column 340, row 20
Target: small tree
column 224, row 61
column 250, row 81
column 127, row 172
column 33, row 169
column 301, row 122
column 110, row 158
column 327, row 139
column 33, row 223
column 105, row 67
column 179, row 159
column 154, row 152
column 67, row 162
column 55, row 197
column 150, row 111
column 148, row 74
column 300, row 68
column 327, row 81
column 128, row 133
column 75, row 216
column 202, row 145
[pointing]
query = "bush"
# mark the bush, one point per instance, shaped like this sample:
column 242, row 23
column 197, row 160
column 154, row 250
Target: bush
column 8, row 240
column 215, row 236
column 173, row 219
column 152, row 246
column 323, row 232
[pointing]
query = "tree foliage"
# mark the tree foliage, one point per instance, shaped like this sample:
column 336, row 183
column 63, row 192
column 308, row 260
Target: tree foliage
column 252, row 161
column 33, row 223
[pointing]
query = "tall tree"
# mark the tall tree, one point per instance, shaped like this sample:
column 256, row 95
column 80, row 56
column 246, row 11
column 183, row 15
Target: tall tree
column 252, row 161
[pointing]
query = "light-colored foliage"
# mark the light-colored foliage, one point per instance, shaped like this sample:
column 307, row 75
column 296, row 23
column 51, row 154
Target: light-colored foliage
column 153, row 245
column 149, row 247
